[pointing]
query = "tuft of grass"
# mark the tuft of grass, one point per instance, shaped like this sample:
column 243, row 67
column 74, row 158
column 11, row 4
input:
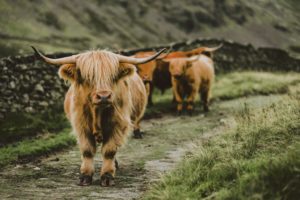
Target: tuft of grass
column 240, row 84
column 29, row 149
column 258, row 159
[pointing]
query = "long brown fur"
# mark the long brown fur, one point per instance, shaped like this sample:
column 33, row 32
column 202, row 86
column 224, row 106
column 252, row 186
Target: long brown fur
column 194, row 77
column 101, row 70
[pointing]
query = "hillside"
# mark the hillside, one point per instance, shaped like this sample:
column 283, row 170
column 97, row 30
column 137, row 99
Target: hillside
column 79, row 25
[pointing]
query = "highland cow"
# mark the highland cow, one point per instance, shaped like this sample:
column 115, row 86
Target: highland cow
column 106, row 100
column 190, row 76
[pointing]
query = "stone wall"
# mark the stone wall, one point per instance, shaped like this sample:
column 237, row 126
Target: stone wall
column 30, row 85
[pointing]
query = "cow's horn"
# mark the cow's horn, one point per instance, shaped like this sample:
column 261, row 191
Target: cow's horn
column 210, row 49
column 136, row 61
column 193, row 58
column 57, row 61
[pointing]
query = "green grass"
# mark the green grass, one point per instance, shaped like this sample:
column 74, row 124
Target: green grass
column 240, row 84
column 17, row 126
column 28, row 149
column 258, row 159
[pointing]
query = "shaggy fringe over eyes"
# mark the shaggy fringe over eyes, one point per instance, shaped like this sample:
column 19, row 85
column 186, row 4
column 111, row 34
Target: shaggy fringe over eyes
column 99, row 68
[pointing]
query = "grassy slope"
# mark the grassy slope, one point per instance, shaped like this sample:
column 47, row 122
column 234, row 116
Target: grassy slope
column 259, row 159
column 80, row 25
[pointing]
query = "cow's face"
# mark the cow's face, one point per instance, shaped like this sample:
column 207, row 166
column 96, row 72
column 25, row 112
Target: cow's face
column 178, row 67
column 95, row 81
column 146, row 70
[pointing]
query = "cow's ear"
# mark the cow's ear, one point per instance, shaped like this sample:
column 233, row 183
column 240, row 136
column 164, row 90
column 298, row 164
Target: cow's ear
column 126, row 70
column 67, row 72
column 190, row 60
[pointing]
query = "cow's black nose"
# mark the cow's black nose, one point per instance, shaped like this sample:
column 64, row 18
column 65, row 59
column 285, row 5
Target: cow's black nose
column 104, row 98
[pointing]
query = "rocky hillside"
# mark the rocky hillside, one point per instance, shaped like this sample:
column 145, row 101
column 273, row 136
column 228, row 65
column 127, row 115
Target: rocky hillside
column 73, row 25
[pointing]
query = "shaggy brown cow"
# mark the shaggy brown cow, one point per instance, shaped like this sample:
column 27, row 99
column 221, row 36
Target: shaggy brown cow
column 146, row 73
column 190, row 76
column 105, row 101
column 156, row 73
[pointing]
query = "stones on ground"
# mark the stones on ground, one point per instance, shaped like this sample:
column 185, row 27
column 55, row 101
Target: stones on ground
column 37, row 169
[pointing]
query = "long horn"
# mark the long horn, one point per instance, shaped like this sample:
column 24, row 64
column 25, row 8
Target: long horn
column 137, row 61
column 210, row 49
column 162, row 56
column 58, row 61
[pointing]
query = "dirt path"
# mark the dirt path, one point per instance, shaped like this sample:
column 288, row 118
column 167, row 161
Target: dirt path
column 166, row 141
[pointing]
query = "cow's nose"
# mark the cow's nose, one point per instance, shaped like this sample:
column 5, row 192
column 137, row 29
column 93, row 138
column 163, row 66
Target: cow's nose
column 102, row 97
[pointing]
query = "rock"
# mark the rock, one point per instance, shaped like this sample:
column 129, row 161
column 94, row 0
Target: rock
column 18, row 166
column 55, row 95
column 12, row 85
column 48, row 77
column 25, row 98
column 29, row 109
column 37, row 168
column 23, row 67
column 44, row 104
column 223, row 121
column 39, row 88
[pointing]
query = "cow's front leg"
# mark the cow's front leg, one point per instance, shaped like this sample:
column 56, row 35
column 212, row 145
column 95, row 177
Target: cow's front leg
column 87, row 145
column 191, row 98
column 108, row 170
column 178, row 96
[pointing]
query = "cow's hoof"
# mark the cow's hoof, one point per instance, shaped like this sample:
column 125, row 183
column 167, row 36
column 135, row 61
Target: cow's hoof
column 179, row 113
column 107, row 180
column 137, row 134
column 85, row 180
column 190, row 112
column 206, row 109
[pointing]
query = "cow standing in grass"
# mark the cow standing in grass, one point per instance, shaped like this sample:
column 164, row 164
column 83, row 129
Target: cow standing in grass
column 156, row 73
column 105, row 101
column 190, row 76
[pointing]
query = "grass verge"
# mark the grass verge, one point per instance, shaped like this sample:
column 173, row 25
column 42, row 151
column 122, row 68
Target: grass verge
column 29, row 149
column 240, row 84
column 259, row 159
column 18, row 126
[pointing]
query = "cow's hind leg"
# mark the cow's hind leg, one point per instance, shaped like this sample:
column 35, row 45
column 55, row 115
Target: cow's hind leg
column 137, row 133
column 87, row 145
column 205, row 93
column 109, row 165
